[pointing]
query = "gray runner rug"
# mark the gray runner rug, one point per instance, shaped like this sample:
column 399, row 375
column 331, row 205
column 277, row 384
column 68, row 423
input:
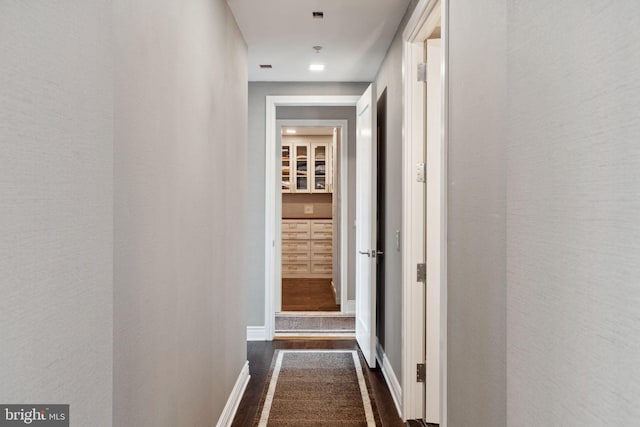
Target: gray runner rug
column 316, row 388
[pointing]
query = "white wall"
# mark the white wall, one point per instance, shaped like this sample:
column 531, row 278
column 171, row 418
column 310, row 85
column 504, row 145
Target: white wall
column 56, row 206
column 573, row 213
column 180, row 229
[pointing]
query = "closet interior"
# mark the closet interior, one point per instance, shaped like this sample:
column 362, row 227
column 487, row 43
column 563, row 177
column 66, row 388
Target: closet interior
column 308, row 161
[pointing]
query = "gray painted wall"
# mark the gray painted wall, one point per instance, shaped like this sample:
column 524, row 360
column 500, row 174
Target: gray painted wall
column 476, row 215
column 390, row 78
column 258, row 91
column 56, row 215
column 180, row 179
column 543, row 214
column 573, row 212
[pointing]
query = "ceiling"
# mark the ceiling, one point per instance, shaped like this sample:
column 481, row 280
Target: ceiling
column 354, row 34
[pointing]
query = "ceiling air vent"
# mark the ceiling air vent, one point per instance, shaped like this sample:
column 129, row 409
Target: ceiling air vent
column 266, row 66
column 318, row 15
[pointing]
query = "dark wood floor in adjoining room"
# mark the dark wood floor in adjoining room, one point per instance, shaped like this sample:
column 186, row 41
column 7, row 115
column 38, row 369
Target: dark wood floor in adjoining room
column 260, row 354
column 308, row 295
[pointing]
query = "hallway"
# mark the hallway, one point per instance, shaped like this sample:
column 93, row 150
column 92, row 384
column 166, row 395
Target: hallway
column 260, row 356
column 138, row 160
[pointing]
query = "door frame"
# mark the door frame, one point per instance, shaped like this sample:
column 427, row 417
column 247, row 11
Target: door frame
column 417, row 30
column 271, row 221
column 343, row 185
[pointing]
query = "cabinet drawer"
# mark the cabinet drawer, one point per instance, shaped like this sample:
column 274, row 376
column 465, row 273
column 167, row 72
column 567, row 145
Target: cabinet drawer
column 321, row 267
column 295, row 235
column 295, row 258
column 321, row 234
column 295, row 225
column 326, row 257
column 321, row 246
column 321, row 225
column 295, row 246
column 298, row 267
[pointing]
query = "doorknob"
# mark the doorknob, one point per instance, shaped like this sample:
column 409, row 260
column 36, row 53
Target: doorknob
column 365, row 253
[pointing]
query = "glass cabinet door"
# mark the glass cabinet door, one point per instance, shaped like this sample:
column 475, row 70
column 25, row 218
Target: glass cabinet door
column 319, row 169
column 302, row 167
column 286, row 168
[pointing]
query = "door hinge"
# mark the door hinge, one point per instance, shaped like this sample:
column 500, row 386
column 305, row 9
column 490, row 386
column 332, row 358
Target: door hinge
column 422, row 272
column 422, row 72
column 421, row 372
column 420, row 172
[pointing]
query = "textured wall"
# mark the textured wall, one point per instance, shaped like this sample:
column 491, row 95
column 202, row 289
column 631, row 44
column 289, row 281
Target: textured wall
column 258, row 91
column 56, row 206
column 390, row 78
column 180, row 245
column 476, row 215
column 573, row 213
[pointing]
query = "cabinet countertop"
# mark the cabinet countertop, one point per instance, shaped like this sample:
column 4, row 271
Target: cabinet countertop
column 306, row 217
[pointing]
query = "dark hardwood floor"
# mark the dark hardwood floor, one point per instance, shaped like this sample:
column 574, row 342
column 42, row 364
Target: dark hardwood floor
column 308, row 295
column 260, row 354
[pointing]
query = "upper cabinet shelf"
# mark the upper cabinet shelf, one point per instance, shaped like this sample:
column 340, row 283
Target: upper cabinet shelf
column 319, row 165
column 306, row 167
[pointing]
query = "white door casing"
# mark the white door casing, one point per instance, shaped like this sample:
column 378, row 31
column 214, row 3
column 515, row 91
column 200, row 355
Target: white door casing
column 273, row 287
column 419, row 345
column 434, row 199
column 366, row 171
column 272, row 191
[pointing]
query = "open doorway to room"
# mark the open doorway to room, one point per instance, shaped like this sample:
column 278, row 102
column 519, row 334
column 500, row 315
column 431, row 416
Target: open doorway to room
column 381, row 159
column 315, row 111
column 311, row 232
column 309, row 217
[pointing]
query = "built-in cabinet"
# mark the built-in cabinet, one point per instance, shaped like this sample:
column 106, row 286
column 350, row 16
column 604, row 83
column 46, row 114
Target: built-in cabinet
column 307, row 248
column 306, row 167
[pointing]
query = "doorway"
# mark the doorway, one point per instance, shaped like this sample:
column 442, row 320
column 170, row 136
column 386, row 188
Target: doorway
column 424, row 218
column 313, row 217
column 310, row 219
column 273, row 190
column 381, row 139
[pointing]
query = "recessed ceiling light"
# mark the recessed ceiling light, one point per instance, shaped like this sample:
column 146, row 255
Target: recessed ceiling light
column 291, row 131
column 318, row 15
column 316, row 67
column 266, row 66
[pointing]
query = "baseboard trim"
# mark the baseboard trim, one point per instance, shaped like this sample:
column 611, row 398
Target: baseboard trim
column 350, row 307
column 229, row 411
column 390, row 378
column 256, row 333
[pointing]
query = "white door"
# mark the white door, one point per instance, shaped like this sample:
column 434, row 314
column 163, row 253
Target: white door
column 434, row 244
column 366, row 171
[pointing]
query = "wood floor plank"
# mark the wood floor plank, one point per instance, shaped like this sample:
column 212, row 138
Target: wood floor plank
column 308, row 295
